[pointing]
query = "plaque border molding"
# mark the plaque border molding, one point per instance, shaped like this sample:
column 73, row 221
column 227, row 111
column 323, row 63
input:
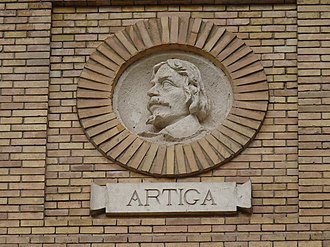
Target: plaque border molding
column 117, row 52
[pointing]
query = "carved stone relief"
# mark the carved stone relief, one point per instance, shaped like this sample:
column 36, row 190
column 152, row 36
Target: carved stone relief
column 172, row 97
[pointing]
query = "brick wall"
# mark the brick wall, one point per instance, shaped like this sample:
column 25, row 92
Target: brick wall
column 314, row 109
column 270, row 161
column 47, row 163
column 24, row 79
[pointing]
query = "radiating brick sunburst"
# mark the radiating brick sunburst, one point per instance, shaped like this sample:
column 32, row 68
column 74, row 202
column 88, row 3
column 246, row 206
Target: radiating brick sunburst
column 112, row 57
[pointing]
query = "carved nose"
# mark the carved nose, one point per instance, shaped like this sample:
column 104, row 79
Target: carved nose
column 153, row 92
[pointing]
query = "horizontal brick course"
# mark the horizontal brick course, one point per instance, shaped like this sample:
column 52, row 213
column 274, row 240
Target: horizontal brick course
column 24, row 77
column 160, row 2
column 47, row 164
column 264, row 152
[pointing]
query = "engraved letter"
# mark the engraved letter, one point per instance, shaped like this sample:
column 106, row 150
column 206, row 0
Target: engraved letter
column 135, row 197
column 194, row 200
column 180, row 202
column 169, row 198
column 209, row 198
column 152, row 196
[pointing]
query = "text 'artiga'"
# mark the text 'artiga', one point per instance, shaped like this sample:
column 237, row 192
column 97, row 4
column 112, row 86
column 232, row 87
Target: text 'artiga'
column 170, row 198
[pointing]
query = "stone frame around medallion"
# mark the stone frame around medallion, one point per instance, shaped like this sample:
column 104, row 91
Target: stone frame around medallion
column 224, row 49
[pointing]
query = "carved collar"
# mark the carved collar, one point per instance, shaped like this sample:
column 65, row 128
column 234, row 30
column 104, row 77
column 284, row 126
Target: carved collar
column 184, row 128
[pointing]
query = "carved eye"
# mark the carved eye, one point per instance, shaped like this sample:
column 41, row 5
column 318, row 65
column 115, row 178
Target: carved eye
column 167, row 83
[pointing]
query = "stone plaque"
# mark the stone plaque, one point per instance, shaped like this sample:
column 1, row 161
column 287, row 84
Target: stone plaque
column 172, row 97
column 164, row 198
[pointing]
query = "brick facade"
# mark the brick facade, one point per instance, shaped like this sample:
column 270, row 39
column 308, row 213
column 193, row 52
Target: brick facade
column 47, row 164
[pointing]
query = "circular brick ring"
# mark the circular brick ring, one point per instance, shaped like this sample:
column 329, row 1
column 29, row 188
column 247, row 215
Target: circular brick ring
column 112, row 57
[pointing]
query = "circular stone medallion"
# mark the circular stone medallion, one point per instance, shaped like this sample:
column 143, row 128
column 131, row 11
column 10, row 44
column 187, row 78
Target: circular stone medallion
column 130, row 99
column 172, row 97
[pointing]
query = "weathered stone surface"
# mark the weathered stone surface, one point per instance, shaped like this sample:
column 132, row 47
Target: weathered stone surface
column 164, row 116
column 179, row 131
column 162, row 198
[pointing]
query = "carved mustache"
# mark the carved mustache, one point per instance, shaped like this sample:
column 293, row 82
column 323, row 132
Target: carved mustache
column 156, row 101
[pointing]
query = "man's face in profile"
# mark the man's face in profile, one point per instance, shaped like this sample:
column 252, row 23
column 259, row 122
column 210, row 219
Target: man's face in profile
column 167, row 102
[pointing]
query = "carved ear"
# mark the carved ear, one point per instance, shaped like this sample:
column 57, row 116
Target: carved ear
column 193, row 88
column 203, row 106
column 194, row 96
column 188, row 96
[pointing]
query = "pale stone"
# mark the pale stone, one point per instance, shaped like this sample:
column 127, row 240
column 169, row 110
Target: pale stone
column 162, row 198
column 198, row 101
column 177, row 101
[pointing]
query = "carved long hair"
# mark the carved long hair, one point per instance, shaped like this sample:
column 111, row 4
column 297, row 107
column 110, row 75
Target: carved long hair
column 193, row 86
